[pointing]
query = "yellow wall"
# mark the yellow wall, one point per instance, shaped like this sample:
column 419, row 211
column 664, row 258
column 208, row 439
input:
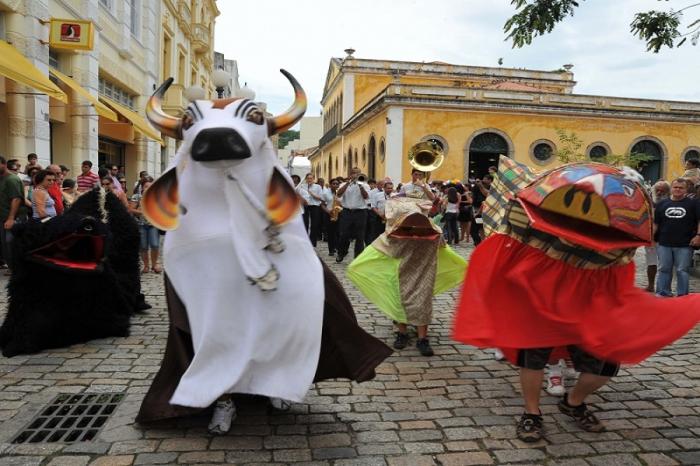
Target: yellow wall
column 355, row 141
column 456, row 127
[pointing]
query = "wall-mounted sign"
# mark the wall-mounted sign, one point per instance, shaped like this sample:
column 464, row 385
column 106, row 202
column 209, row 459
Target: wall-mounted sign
column 71, row 34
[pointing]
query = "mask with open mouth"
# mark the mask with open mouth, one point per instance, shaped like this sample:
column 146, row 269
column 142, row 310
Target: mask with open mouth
column 74, row 277
column 82, row 250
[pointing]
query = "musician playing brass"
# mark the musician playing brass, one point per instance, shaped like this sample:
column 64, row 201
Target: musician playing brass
column 408, row 263
column 333, row 208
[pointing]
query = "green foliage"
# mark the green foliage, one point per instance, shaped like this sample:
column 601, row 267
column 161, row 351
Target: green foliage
column 569, row 151
column 287, row 136
column 657, row 28
column 536, row 19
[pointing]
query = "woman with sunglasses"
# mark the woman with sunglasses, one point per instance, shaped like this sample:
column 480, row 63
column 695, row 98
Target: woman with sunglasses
column 43, row 205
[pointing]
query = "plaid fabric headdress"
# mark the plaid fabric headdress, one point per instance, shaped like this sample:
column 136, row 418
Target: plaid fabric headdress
column 511, row 178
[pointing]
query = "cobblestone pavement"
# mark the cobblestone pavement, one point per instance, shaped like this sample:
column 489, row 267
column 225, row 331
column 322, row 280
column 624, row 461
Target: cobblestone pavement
column 456, row 408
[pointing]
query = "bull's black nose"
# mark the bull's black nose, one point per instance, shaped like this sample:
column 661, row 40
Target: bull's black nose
column 219, row 144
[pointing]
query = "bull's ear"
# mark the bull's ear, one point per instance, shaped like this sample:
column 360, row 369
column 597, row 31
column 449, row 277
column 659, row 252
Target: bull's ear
column 282, row 200
column 161, row 203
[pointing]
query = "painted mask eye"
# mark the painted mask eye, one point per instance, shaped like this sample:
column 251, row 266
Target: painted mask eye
column 256, row 116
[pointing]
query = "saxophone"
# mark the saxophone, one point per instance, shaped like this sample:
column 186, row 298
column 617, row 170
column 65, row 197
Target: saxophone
column 335, row 211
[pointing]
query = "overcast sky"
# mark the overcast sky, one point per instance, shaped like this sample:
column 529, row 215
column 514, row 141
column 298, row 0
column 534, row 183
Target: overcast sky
column 302, row 35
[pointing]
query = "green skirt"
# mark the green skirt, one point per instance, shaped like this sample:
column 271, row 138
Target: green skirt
column 376, row 275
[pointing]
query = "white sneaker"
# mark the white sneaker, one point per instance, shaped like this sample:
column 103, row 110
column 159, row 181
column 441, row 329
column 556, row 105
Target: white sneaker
column 224, row 414
column 555, row 385
column 498, row 354
column 280, row 404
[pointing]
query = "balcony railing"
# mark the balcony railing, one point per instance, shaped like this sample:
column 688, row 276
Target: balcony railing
column 329, row 136
column 200, row 38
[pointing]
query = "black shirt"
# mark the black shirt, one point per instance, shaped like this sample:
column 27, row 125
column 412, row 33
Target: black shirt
column 478, row 197
column 677, row 221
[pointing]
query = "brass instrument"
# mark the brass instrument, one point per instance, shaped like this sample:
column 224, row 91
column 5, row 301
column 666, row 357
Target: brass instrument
column 335, row 210
column 426, row 156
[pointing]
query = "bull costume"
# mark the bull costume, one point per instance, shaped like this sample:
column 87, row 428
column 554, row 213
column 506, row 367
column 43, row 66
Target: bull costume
column 251, row 309
column 556, row 275
column 405, row 267
column 75, row 277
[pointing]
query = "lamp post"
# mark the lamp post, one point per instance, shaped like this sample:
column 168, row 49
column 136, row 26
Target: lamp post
column 220, row 78
column 246, row 92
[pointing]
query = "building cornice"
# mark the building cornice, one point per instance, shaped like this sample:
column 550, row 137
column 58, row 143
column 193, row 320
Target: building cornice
column 532, row 103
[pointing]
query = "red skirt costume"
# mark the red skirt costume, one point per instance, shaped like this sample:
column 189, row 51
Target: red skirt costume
column 559, row 272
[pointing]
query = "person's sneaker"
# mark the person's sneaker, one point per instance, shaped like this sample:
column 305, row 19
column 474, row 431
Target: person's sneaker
column 339, row 258
column 583, row 416
column 401, row 340
column 423, row 346
column 555, row 385
column 224, row 414
column 281, row 404
column 530, row 428
column 498, row 354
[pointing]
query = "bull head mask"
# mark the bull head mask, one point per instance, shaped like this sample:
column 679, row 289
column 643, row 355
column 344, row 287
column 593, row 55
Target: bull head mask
column 161, row 201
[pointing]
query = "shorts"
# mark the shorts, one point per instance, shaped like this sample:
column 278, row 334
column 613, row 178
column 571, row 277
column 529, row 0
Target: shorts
column 150, row 237
column 650, row 255
column 538, row 358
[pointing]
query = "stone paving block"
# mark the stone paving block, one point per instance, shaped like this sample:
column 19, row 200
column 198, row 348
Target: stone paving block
column 688, row 457
column 465, row 459
column 183, row 444
column 333, row 453
column 121, row 460
column 69, row 461
column 198, row 457
column 657, row 459
column 329, row 440
column 614, row 460
column 287, row 456
column 21, row 460
column 410, row 460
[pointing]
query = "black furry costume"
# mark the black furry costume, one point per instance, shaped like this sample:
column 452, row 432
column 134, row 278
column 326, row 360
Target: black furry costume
column 74, row 277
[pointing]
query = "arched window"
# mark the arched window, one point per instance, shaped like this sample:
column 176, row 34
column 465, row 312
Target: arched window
column 484, row 151
column 691, row 154
column 364, row 155
column 382, row 150
column 356, row 160
column 651, row 168
column 372, row 157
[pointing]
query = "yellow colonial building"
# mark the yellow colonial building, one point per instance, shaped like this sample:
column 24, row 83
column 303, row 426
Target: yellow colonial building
column 375, row 110
column 73, row 100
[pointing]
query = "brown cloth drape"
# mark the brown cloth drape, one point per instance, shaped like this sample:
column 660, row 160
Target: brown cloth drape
column 347, row 351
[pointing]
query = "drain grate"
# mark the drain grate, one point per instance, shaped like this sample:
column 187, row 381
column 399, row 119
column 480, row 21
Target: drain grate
column 71, row 418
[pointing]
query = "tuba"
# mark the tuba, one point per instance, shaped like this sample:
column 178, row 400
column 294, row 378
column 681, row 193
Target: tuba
column 426, row 156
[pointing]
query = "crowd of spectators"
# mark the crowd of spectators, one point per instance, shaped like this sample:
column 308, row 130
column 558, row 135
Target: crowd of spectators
column 39, row 194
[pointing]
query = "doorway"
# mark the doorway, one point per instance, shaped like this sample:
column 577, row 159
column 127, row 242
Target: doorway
column 484, row 151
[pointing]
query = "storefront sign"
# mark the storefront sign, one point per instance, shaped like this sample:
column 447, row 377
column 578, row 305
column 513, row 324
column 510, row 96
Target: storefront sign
column 71, row 34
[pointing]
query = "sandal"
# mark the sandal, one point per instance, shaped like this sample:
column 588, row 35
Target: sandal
column 157, row 269
column 145, row 270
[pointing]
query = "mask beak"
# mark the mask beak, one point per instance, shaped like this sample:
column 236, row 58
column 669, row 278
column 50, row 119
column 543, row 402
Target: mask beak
column 282, row 200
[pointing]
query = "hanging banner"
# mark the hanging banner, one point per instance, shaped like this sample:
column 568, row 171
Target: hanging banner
column 71, row 34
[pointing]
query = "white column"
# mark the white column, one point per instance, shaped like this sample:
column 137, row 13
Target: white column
column 348, row 97
column 28, row 110
column 394, row 144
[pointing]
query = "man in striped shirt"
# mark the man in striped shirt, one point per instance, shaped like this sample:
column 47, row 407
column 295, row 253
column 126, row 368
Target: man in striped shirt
column 87, row 179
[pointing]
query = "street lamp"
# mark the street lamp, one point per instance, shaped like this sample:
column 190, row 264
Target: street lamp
column 246, row 92
column 220, row 78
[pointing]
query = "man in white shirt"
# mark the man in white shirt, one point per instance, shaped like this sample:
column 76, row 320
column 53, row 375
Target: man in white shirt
column 417, row 188
column 312, row 194
column 353, row 219
column 379, row 203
